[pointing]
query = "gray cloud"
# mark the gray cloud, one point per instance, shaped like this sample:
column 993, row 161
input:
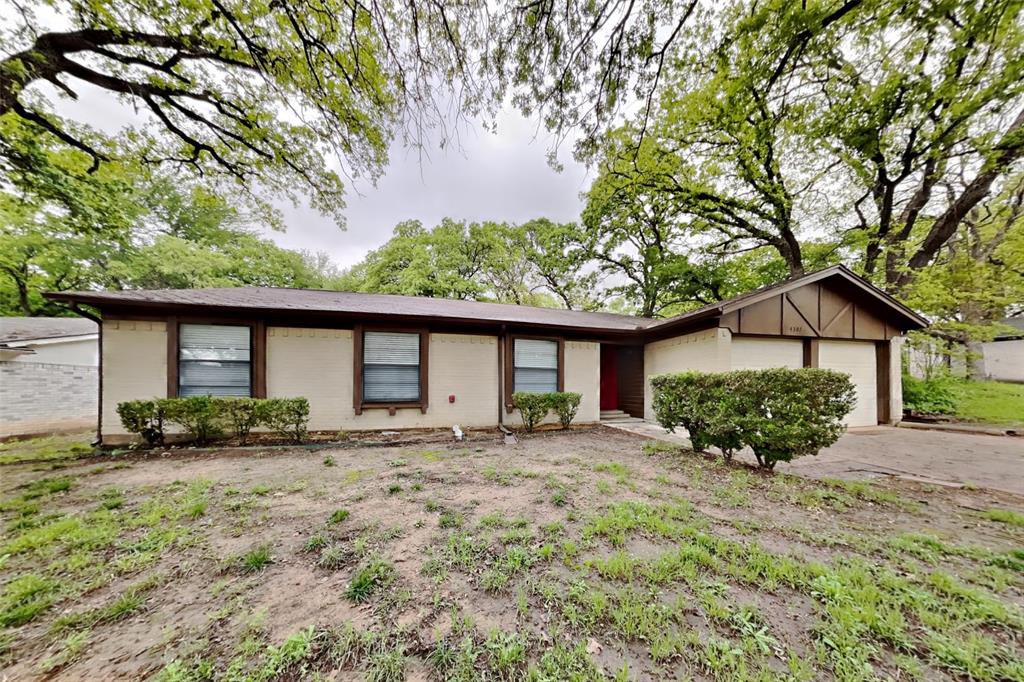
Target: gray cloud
column 501, row 176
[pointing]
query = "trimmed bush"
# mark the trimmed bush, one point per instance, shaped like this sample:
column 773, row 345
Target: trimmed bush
column 289, row 417
column 533, row 407
column 144, row 417
column 206, row 417
column 202, row 416
column 780, row 413
column 242, row 415
column 565, row 405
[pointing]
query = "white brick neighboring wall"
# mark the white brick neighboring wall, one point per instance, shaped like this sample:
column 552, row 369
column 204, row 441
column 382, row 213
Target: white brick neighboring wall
column 40, row 397
column 318, row 363
column 134, row 367
column 896, row 379
column 705, row 351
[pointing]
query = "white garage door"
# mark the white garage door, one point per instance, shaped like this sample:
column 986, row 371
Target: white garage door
column 757, row 353
column 857, row 359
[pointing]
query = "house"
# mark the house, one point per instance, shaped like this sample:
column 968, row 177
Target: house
column 1002, row 358
column 48, row 374
column 372, row 361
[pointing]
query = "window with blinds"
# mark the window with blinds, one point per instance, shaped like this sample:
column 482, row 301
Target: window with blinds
column 535, row 366
column 214, row 359
column 391, row 367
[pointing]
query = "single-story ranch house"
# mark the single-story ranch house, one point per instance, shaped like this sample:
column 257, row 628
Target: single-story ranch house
column 371, row 361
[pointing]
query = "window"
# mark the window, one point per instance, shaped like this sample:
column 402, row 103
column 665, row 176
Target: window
column 214, row 359
column 391, row 367
column 535, row 366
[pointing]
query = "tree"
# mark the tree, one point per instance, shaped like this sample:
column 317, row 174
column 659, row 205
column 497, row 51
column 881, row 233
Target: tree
column 784, row 123
column 977, row 278
column 122, row 228
column 530, row 264
column 260, row 93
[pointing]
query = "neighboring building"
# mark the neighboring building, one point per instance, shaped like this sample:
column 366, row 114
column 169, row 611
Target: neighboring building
column 1002, row 359
column 373, row 361
column 49, row 380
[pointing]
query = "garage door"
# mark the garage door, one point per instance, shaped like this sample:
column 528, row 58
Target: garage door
column 757, row 353
column 857, row 359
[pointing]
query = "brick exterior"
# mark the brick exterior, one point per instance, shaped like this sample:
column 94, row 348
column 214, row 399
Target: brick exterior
column 40, row 398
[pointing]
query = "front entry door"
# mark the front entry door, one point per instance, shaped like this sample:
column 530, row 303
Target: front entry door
column 609, row 378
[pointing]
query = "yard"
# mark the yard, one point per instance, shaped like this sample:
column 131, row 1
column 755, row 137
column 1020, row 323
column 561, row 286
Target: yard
column 992, row 402
column 584, row 555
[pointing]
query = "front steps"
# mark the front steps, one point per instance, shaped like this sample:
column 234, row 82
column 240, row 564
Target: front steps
column 618, row 417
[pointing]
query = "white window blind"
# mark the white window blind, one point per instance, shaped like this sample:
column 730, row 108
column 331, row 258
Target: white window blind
column 391, row 367
column 535, row 363
column 214, row 359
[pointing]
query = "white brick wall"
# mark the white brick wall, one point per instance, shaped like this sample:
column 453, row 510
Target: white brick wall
column 134, row 367
column 317, row 364
column 706, row 351
column 41, row 397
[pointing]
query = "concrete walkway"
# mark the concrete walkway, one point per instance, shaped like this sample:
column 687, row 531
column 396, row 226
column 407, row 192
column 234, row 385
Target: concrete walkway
column 937, row 457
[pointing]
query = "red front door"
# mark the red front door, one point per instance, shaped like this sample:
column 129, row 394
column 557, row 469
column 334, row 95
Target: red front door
column 609, row 378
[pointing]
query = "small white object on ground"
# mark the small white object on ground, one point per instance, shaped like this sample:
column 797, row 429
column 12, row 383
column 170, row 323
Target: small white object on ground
column 458, row 432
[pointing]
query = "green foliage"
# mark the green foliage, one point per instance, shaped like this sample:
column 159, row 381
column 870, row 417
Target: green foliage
column 144, row 417
column 242, row 414
column 289, row 417
column 376, row 574
column 205, row 417
column 534, row 407
column 201, row 416
column 779, row 413
column 565, row 405
column 929, row 396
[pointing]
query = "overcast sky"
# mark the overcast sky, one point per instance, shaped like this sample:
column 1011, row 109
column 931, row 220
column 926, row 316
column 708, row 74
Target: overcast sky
column 501, row 176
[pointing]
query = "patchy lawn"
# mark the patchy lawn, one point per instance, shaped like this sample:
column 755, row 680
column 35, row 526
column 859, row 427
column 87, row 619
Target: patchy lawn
column 578, row 556
column 992, row 402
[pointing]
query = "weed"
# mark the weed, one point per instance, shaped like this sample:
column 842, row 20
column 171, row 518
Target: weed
column 256, row 559
column 260, row 490
column 450, row 519
column 398, row 463
column 329, row 461
column 338, row 515
column 374, row 575
column 1006, row 516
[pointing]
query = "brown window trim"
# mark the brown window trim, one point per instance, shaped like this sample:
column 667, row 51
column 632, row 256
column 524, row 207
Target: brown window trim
column 357, row 371
column 257, row 358
column 509, row 362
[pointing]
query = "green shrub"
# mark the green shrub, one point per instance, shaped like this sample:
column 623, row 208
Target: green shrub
column 565, row 405
column 206, row 417
column 532, row 406
column 791, row 413
column 145, row 418
column 201, row 416
column 242, row 415
column 289, row 417
column 930, row 396
column 780, row 413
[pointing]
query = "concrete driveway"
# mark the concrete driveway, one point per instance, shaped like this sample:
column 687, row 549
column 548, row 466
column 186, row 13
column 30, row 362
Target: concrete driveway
column 939, row 457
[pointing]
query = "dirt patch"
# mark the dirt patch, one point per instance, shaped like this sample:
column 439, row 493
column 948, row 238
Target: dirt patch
column 671, row 563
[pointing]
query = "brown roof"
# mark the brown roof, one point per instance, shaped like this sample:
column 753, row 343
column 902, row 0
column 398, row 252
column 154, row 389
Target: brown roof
column 15, row 329
column 357, row 304
column 352, row 304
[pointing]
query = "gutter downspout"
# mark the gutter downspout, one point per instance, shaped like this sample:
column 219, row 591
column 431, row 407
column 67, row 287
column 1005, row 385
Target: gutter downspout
column 501, row 379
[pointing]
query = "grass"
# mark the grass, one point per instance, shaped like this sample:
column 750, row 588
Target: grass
column 991, row 402
column 1011, row 518
column 46, row 449
column 672, row 566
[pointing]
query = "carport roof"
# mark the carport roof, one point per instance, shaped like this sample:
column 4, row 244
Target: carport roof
column 361, row 305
